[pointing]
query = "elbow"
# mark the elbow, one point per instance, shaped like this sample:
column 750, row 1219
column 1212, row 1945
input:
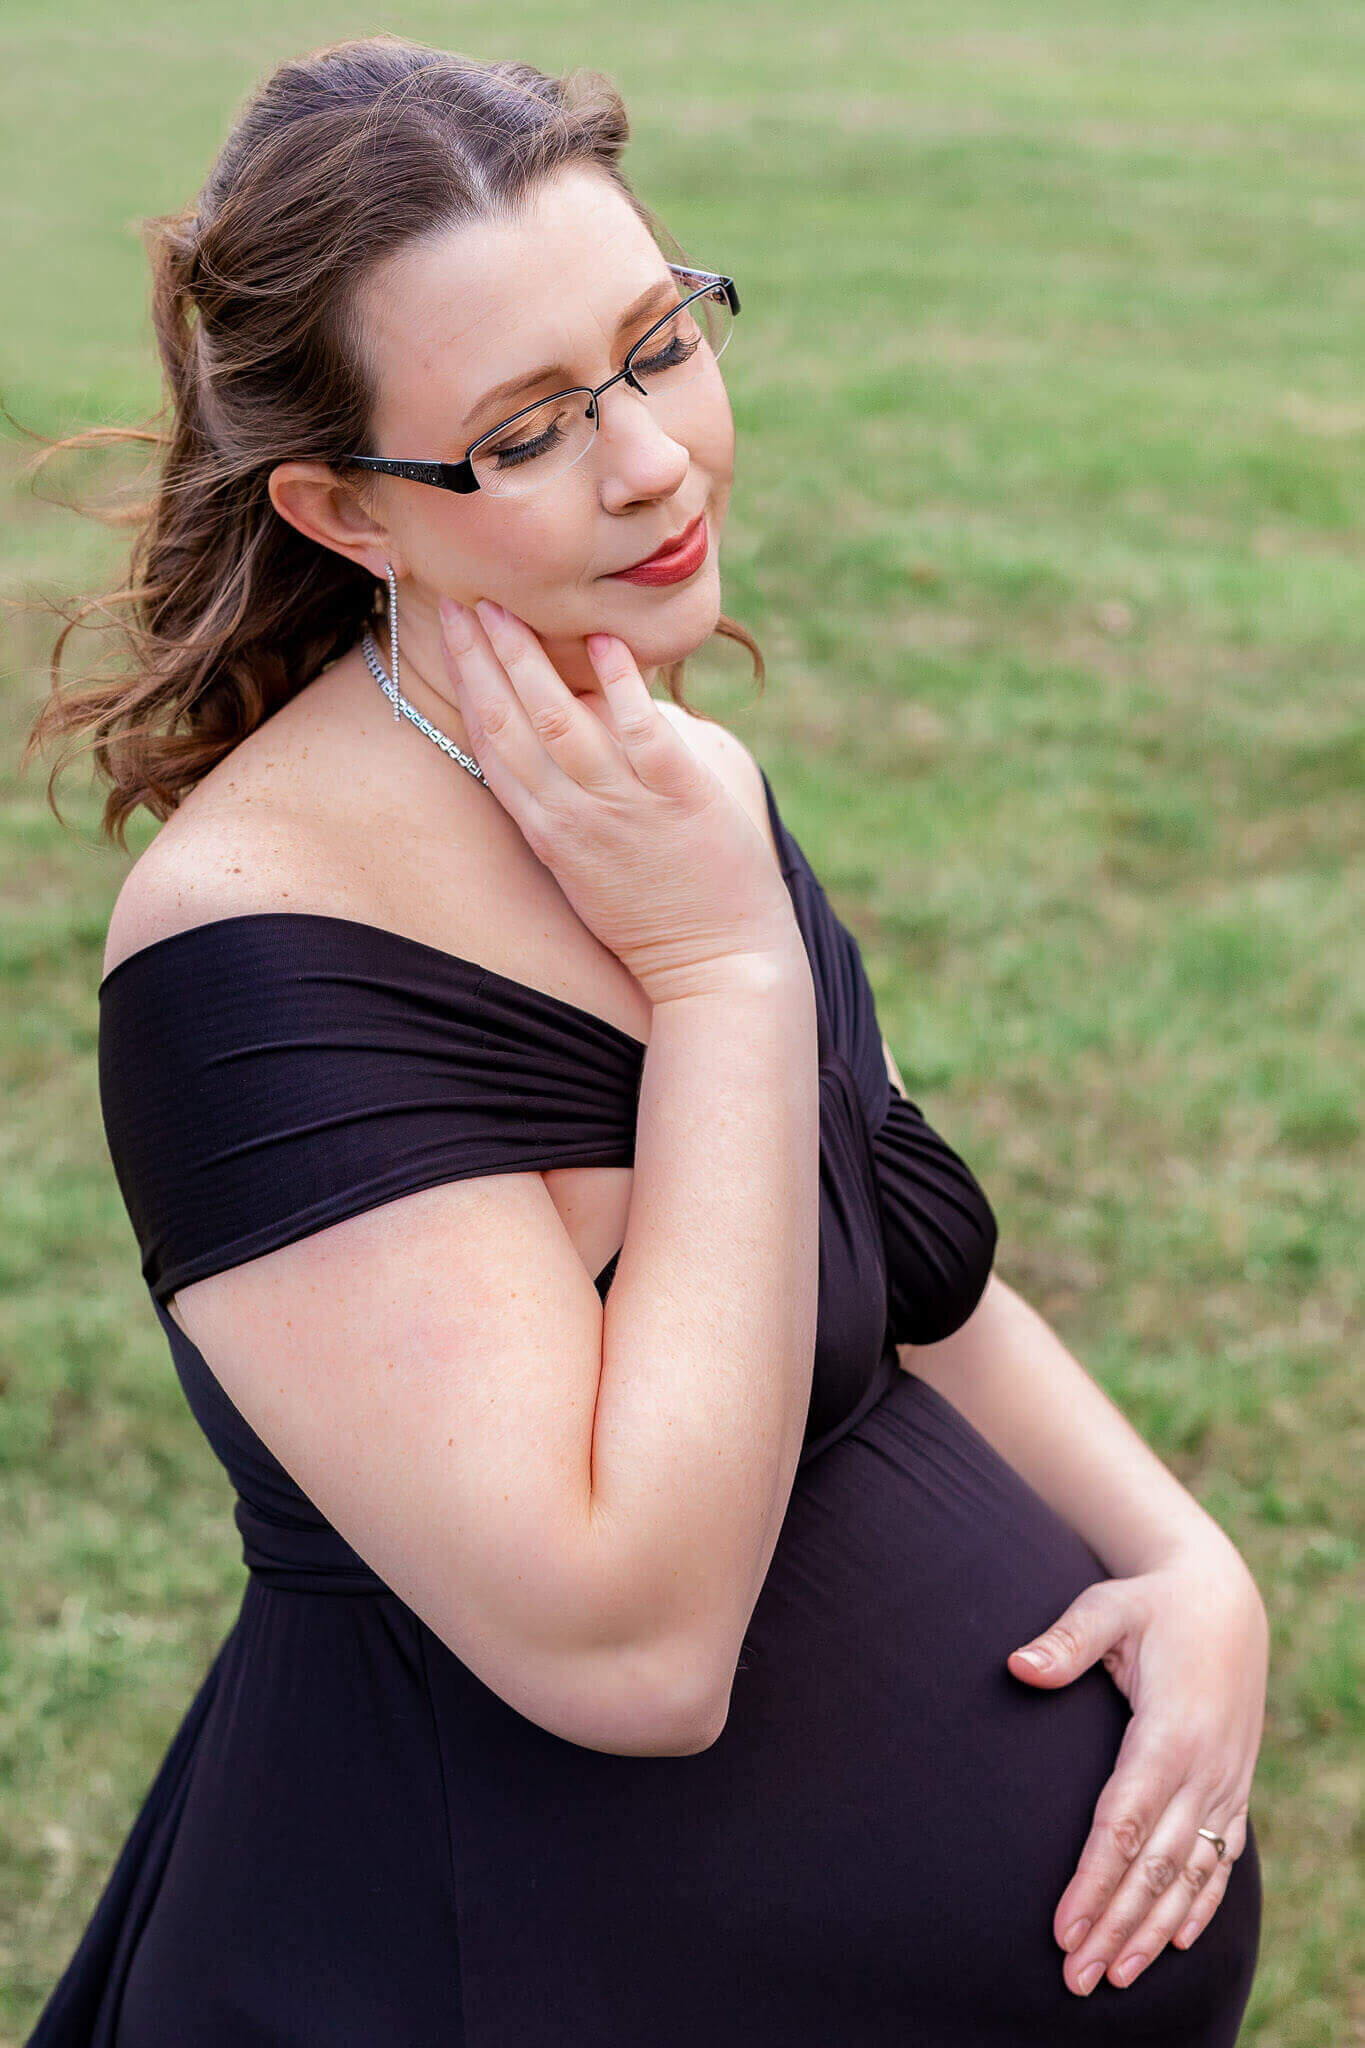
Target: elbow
column 667, row 1727
column 603, row 1659
column 645, row 1700
column 690, row 1730
column 688, row 1701
column 654, row 1669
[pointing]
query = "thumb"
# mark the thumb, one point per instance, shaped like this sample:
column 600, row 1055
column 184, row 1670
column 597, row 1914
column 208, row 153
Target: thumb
column 1075, row 1640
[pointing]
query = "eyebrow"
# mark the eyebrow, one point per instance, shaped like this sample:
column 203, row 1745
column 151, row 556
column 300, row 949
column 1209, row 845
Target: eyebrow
column 648, row 298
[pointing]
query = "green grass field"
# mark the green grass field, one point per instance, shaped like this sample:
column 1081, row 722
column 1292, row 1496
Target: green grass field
column 1049, row 516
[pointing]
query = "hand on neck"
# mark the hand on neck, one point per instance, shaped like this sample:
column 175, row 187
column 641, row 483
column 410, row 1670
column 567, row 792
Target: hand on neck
column 425, row 675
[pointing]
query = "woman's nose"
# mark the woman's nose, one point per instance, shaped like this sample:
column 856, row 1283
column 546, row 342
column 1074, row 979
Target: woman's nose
column 637, row 455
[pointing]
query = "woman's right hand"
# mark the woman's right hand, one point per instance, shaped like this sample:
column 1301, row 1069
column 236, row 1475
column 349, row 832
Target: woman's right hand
column 647, row 843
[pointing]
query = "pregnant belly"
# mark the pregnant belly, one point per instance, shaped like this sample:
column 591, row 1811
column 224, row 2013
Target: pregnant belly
column 873, row 1851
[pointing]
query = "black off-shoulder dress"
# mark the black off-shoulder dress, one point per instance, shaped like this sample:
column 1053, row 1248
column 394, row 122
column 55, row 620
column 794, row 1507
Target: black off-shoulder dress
column 354, row 1843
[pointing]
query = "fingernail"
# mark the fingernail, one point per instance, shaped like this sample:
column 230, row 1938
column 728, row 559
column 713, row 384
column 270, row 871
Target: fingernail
column 491, row 614
column 455, row 621
column 1188, row 1931
column 1037, row 1658
column 1075, row 1935
column 1129, row 1968
column 1090, row 1977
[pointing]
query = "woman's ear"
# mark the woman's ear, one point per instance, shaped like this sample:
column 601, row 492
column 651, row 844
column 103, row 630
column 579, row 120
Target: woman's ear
column 313, row 498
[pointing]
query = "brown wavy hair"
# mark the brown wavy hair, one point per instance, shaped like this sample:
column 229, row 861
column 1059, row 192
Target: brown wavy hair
column 336, row 161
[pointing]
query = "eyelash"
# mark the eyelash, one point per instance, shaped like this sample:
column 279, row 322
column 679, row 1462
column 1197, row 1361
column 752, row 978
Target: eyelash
column 513, row 452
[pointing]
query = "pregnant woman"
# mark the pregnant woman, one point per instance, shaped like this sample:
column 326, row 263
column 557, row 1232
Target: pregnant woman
column 647, row 1488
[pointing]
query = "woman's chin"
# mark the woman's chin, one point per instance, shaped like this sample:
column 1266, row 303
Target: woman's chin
column 675, row 625
column 679, row 631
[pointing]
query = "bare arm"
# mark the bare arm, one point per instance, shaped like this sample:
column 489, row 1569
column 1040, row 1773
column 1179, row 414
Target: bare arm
column 580, row 1500
column 709, row 1327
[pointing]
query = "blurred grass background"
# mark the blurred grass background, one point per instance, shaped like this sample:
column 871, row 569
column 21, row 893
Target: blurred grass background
column 1049, row 518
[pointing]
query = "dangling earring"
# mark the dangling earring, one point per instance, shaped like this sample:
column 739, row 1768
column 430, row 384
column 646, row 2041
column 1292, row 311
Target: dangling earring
column 393, row 635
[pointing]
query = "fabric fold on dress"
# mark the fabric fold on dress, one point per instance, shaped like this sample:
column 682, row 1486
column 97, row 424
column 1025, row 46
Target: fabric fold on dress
column 941, row 1232
column 264, row 1076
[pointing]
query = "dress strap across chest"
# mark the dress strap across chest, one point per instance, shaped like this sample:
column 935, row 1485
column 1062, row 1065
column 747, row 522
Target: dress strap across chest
column 263, row 1076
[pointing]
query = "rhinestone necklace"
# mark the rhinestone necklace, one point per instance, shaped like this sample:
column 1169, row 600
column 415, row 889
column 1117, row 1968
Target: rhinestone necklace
column 400, row 702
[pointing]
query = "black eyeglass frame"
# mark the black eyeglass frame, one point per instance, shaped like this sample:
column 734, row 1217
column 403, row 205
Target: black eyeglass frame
column 459, row 476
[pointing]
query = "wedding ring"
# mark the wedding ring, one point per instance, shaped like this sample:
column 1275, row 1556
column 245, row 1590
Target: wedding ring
column 1219, row 1844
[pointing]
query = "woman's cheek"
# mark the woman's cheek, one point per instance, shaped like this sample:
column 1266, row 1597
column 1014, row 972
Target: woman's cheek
column 523, row 554
column 718, row 455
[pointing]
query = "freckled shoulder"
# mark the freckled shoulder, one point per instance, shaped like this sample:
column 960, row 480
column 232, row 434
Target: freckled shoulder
column 728, row 757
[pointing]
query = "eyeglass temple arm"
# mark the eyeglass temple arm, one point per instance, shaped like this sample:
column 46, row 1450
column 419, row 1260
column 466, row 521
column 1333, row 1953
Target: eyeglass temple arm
column 710, row 277
column 450, row 476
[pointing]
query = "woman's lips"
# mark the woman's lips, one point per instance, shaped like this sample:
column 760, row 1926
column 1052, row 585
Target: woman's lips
column 684, row 561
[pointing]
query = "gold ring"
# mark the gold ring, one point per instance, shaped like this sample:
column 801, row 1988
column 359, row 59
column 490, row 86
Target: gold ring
column 1219, row 1844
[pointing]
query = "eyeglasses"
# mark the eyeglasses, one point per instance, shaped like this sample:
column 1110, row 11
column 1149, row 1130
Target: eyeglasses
column 544, row 439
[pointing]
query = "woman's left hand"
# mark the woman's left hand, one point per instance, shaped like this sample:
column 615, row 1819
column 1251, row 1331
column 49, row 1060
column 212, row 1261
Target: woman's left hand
column 1188, row 1643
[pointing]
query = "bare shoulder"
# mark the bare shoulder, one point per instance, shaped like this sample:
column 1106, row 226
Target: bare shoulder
column 219, row 869
column 261, row 834
column 265, row 830
column 728, row 757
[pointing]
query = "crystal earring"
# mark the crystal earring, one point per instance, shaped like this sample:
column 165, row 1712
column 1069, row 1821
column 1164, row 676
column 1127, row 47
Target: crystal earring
column 393, row 635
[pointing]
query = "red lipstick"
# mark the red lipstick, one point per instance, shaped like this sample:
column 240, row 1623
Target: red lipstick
column 673, row 562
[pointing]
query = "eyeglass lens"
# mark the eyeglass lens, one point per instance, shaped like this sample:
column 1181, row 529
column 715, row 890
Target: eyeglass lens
column 539, row 443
